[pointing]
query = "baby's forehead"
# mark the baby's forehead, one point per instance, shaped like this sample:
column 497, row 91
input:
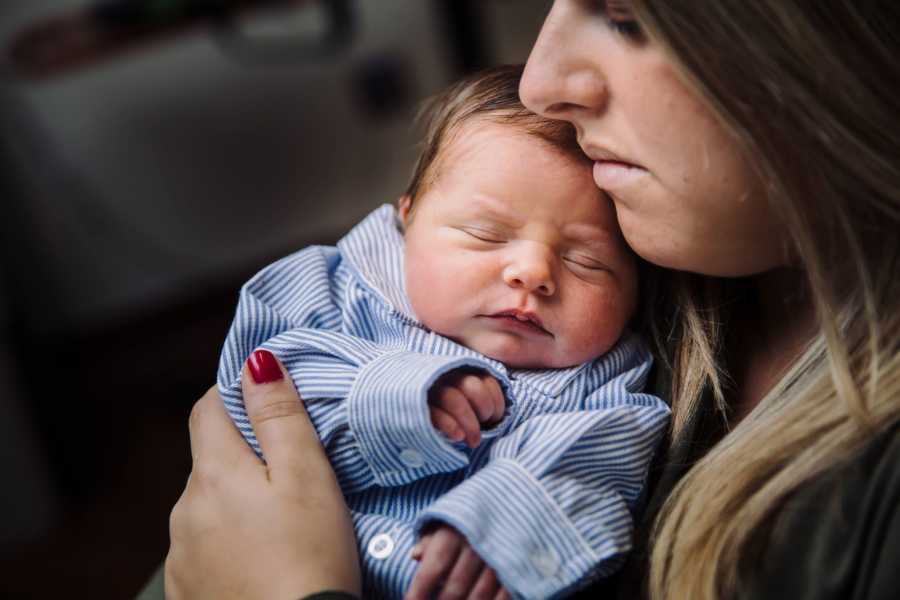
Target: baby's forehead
column 474, row 131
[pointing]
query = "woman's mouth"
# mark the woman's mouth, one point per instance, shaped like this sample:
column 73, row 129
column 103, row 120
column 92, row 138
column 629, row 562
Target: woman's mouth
column 614, row 174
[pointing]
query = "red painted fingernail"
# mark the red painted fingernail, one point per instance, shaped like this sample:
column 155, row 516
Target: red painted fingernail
column 263, row 367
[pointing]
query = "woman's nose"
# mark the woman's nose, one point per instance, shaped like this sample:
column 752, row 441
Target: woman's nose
column 560, row 78
column 532, row 273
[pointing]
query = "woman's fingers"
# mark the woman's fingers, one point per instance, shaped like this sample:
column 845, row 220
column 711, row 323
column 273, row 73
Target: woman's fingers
column 444, row 421
column 463, row 575
column 439, row 557
column 214, row 438
column 502, row 595
column 279, row 419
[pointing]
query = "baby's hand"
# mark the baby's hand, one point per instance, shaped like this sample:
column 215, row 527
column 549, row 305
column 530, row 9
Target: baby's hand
column 446, row 560
column 463, row 400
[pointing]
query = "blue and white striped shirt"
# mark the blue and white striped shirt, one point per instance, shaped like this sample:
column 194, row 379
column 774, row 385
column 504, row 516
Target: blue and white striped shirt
column 546, row 499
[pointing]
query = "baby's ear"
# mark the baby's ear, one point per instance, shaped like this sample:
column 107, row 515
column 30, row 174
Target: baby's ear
column 404, row 208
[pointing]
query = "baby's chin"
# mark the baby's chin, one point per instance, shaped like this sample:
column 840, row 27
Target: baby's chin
column 524, row 357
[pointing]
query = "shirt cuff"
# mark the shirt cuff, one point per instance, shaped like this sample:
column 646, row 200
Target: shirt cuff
column 389, row 416
column 521, row 532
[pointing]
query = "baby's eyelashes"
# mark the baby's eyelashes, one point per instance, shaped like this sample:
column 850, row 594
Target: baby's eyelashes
column 484, row 235
column 586, row 262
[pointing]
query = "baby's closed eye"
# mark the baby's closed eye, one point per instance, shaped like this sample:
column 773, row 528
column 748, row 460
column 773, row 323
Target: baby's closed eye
column 484, row 234
column 585, row 262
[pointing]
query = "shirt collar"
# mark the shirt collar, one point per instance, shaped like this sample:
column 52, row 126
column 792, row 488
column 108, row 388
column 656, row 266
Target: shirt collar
column 374, row 248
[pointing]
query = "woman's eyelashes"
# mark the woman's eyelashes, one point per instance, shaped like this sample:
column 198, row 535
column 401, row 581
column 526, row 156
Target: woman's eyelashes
column 619, row 17
column 629, row 29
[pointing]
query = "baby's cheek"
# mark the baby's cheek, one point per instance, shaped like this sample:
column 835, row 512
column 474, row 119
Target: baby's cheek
column 597, row 326
column 430, row 294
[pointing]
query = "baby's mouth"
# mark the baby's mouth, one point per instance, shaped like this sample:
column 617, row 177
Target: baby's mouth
column 520, row 318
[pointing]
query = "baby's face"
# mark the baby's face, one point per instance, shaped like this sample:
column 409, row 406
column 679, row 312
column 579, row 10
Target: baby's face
column 515, row 253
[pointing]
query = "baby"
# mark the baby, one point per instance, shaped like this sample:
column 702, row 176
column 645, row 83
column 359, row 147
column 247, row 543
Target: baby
column 466, row 361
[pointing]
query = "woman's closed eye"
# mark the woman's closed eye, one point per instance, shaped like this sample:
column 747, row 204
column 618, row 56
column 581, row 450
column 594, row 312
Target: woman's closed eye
column 619, row 17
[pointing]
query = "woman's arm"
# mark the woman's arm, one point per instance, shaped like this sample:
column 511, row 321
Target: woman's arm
column 252, row 530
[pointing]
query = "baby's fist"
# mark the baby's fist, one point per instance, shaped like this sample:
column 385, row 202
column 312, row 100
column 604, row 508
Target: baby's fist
column 462, row 401
column 448, row 564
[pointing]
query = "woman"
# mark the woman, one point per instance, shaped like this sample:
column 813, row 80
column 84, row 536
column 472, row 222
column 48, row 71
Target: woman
column 749, row 149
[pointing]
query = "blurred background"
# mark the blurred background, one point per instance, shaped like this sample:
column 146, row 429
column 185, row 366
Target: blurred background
column 153, row 155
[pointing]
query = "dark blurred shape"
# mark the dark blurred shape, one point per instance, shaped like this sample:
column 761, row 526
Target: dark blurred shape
column 99, row 32
column 383, row 87
column 463, row 22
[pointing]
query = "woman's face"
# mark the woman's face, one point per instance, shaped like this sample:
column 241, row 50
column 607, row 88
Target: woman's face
column 685, row 196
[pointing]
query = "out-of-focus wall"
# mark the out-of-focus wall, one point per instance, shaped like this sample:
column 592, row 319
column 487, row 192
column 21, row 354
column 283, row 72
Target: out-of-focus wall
column 178, row 162
column 136, row 195
column 29, row 505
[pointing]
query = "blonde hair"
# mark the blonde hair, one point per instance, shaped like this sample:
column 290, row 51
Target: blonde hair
column 492, row 94
column 808, row 89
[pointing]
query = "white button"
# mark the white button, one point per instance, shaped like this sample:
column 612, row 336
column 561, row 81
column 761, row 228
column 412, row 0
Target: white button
column 412, row 458
column 545, row 562
column 381, row 546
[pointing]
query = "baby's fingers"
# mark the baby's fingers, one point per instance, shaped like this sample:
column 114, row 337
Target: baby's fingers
column 477, row 389
column 486, row 586
column 463, row 576
column 497, row 398
column 437, row 559
column 444, row 421
column 421, row 546
column 452, row 401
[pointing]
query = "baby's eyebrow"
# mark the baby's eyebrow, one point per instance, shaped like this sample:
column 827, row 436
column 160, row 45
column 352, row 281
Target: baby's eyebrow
column 591, row 236
column 482, row 205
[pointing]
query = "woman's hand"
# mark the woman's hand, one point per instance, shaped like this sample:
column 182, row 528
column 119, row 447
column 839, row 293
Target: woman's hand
column 244, row 529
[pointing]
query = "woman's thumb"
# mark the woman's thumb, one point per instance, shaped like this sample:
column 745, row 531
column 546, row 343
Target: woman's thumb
column 283, row 429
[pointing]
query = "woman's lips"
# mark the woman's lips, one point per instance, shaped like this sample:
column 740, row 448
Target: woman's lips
column 613, row 174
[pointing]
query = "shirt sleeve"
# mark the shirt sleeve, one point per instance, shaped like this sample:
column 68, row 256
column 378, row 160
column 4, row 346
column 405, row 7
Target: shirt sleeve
column 552, row 508
column 368, row 403
column 390, row 418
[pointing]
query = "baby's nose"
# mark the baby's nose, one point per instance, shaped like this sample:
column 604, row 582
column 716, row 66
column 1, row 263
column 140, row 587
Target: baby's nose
column 531, row 272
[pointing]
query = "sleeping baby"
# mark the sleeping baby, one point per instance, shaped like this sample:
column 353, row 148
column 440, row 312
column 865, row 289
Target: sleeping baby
column 467, row 363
